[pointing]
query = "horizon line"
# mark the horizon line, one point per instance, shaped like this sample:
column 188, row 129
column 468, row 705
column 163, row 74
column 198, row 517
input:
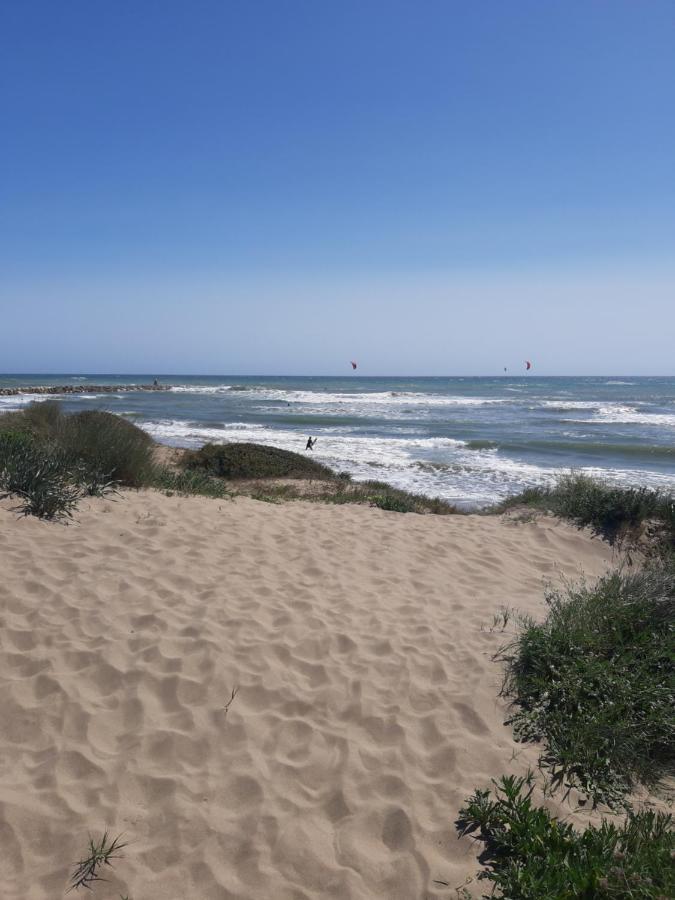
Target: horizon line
column 158, row 375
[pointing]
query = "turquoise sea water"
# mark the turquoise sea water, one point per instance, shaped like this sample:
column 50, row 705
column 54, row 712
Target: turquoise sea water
column 471, row 440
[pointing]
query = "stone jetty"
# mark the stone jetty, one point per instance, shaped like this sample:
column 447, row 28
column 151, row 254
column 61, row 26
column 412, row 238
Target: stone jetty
column 83, row 389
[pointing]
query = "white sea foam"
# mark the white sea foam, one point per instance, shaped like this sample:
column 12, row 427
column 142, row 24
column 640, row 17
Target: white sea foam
column 605, row 413
column 16, row 401
column 200, row 388
column 323, row 398
column 572, row 404
column 629, row 415
column 436, row 466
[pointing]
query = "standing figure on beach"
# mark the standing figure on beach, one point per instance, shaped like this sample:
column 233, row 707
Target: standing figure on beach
column 310, row 443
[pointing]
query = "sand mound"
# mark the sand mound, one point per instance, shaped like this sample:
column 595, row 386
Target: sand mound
column 366, row 710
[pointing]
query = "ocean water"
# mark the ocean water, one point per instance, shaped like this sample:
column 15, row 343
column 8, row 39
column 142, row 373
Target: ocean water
column 469, row 440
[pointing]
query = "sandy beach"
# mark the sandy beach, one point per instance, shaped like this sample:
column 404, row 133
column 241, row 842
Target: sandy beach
column 357, row 643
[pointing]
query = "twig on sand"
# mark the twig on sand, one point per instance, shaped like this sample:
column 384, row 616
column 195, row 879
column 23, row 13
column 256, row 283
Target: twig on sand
column 229, row 703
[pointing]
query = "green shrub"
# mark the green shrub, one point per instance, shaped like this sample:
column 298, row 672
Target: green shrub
column 384, row 496
column 253, row 461
column 532, row 856
column 110, row 448
column 392, row 502
column 594, row 681
column 610, row 510
column 41, row 419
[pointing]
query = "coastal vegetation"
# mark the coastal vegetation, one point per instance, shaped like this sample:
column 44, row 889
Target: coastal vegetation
column 594, row 682
column 531, row 855
column 49, row 460
column 40, row 477
column 241, row 460
column 101, row 442
column 99, row 854
column 622, row 515
column 97, row 451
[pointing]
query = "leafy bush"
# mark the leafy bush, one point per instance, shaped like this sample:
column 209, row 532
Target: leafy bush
column 253, row 461
column 110, row 448
column 532, row 856
column 594, row 681
column 610, row 510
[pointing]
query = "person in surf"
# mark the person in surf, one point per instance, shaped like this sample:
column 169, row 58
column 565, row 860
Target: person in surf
column 310, row 443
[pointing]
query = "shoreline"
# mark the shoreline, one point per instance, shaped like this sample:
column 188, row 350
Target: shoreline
column 470, row 450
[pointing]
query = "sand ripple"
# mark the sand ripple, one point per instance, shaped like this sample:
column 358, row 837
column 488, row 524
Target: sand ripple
column 366, row 708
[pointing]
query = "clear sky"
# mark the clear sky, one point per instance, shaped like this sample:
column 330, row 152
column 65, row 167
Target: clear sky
column 277, row 187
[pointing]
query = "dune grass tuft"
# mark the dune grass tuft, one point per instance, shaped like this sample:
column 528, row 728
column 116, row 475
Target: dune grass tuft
column 532, row 856
column 99, row 854
column 595, row 682
column 39, row 475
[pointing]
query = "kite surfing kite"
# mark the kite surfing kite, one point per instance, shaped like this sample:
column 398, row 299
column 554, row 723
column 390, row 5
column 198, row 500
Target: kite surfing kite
column 353, row 364
column 528, row 365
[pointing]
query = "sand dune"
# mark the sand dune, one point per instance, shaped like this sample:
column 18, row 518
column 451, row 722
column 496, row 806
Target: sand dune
column 366, row 710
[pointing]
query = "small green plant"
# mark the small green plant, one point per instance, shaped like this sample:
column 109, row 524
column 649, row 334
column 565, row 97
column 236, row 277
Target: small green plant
column 594, row 681
column 501, row 619
column 532, row 856
column 100, row 853
column 392, row 502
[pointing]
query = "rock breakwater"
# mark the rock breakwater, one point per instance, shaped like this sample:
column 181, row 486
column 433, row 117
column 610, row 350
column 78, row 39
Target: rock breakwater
column 83, row 389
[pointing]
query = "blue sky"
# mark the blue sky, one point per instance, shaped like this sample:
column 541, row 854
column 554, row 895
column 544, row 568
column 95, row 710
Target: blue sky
column 266, row 187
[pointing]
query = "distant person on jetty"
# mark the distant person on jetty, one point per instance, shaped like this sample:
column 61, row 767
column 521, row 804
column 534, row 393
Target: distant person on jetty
column 310, row 443
column 155, row 383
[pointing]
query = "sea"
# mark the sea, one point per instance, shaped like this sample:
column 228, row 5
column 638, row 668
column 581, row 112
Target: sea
column 470, row 440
